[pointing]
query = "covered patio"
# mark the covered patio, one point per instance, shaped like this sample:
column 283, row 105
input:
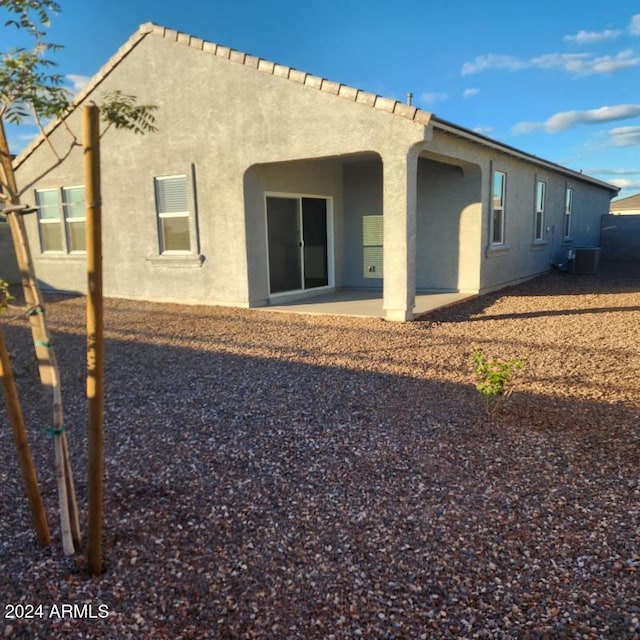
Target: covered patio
column 364, row 303
column 316, row 232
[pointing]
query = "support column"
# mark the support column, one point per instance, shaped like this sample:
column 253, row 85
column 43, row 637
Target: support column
column 399, row 214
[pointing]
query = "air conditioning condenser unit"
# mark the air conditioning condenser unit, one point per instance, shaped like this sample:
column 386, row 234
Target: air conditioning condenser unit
column 586, row 260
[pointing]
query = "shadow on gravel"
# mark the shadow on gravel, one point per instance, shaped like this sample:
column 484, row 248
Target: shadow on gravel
column 614, row 278
column 550, row 313
column 255, row 497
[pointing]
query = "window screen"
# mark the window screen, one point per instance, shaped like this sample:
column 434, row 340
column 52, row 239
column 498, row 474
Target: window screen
column 173, row 213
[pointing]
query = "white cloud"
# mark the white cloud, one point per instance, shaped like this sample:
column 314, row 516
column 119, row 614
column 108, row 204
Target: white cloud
column 567, row 61
column 624, row 136
column 608, row 64
column 526, row 127
column 484, row 130
column 468, row 93
column 493, row 61
column 567, row 119
column 577, row 63
column 77, row 81
column 626, row 184
column 614, row 172
column 589, row 37
column 19, row 139
column 430, row 98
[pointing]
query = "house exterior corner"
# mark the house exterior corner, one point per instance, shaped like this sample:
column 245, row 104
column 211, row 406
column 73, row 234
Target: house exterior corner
column 265, row 183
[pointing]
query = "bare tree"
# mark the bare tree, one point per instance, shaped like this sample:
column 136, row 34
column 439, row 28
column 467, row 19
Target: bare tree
column 31, row 88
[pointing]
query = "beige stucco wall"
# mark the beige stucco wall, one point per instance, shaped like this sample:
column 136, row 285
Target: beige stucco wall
column 315, row 178
column 449, row 226
column 238, row 132
column 362, row 197
column 520, row 257
column 223, row 122
column 523, row 257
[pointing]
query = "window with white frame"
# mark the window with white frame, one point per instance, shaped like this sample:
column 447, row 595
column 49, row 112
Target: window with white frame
column 73, row 207
column 61, row 219
column 172, row 206
column 498, row 207
column 568, row 208
column 50, row 221
column 541, row 188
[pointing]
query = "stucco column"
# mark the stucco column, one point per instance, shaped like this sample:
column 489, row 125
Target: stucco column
column 399, row 215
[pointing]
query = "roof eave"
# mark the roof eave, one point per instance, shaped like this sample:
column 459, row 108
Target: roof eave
column 478, row 138
column 79, row 98
column 381, row 103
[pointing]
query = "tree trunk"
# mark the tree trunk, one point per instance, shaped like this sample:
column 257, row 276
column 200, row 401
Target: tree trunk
column 14, row 410
column 45, row 355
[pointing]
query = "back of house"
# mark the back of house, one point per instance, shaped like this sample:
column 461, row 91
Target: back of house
column 264, row 183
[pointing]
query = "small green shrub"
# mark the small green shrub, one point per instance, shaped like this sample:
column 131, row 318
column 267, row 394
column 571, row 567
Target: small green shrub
column 494, row 378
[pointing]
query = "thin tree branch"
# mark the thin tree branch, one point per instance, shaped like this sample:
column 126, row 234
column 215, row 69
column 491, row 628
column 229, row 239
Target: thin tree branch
column 102, row 133
column 44, row 135
column 70, row 131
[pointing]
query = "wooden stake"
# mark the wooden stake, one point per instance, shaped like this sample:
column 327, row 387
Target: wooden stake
column 14, row 410
column 47, row 364
column 74, row 518
column 95, row 331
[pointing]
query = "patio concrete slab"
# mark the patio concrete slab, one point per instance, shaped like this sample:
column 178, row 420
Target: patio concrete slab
column 364, row 303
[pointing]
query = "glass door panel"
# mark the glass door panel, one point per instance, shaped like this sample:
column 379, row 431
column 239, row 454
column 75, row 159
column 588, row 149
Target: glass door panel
column 283, row 233
column 314, row 234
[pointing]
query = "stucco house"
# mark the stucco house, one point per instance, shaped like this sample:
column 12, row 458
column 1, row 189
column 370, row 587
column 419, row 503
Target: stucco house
column 629, row 206
column 265, row 183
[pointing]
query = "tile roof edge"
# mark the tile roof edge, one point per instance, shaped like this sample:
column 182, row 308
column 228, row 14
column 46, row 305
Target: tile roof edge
column 289, row 73
column 123, row 51
column 345, row 92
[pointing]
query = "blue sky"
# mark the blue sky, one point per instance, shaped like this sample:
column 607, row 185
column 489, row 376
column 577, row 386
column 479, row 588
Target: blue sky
column 556, row 78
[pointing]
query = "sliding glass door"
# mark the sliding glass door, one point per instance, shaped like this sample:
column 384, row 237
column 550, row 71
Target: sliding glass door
column 298, row 243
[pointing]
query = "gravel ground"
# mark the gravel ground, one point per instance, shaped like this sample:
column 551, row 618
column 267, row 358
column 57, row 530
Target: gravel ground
column 271, row 475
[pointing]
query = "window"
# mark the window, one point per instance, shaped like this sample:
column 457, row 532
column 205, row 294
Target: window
column 372, row 246
column 74, row 216
column 61, row 219
column 498, row 210
column 48, row 203
column 173, row 214
column 541, row 188
column 568, row 206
